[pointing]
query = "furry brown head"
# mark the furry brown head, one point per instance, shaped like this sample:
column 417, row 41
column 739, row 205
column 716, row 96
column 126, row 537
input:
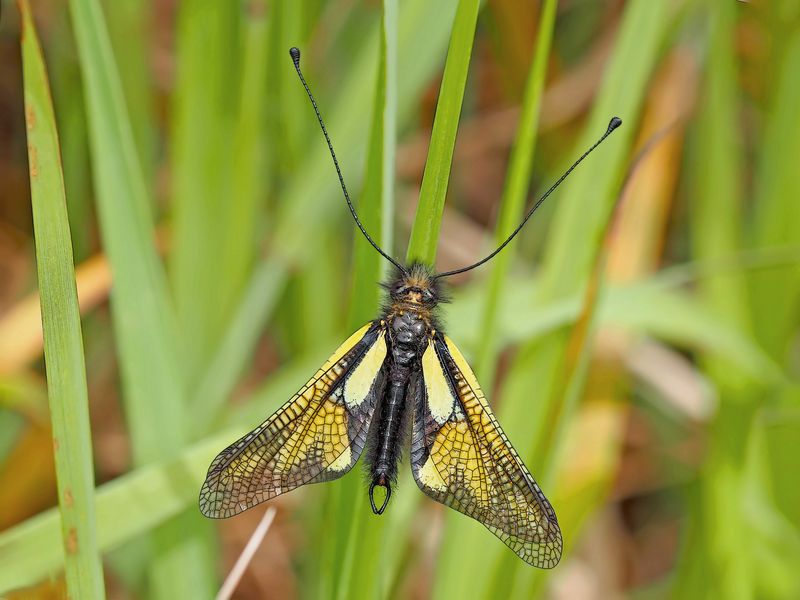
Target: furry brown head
column 415, row 287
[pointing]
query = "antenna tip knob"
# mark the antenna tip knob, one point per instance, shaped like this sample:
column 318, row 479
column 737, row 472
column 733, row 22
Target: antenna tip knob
column 294, row 52
column 613, row 124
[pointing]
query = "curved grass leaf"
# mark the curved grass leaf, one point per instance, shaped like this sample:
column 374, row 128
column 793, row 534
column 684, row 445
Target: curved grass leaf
column 777, row 222
column 206, row 261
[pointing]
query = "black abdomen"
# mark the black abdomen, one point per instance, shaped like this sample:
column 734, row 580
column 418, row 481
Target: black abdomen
column 406, row 337
column 388, row 436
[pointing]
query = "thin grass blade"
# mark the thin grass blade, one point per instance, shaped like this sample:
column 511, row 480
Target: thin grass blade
column 207, row 265
column 776, row 221
column 425, row 232
column 361, row 533
column 714, row 544
column 63, row 344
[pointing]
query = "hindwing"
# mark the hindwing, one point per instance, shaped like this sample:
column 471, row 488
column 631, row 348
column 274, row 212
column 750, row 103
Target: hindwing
column 461, row 457
column 318, row 435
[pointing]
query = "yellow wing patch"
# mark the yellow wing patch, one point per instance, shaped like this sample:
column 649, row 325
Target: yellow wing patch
column 360, row 382
column 457, row 459
column 343, row 462
column 428, row 475
column 321, row 435
column 440, row 398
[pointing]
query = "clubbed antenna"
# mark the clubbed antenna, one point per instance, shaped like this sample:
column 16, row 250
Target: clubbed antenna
column 295, row 54
column 612, row 125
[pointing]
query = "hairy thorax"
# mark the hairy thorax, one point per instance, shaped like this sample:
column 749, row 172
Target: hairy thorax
column 408, row 327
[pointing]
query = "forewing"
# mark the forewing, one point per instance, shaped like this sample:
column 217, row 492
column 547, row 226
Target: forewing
column 461, row 457
column 316, row 436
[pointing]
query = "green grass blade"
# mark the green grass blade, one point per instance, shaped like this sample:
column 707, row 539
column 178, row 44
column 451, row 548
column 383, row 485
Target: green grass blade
column 309, row 198
column 235, row 349
column 717, row 212
column 145, row 328
column 774, row 296
column 515, row 191
column 66, row 86
column 247, row 181
column 207, row 268
column 288, row 127
column 425, row 232
column 778, row 553
column 776, row 222
column 717, row 564
column 581, row 217
column 129, row 23
column 63, row 344
column 216, row 217
column 147, row 497
column 359, row 533
column 143, row 316
column 652, row 307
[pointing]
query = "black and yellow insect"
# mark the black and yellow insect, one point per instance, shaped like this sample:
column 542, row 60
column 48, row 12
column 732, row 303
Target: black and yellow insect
column 396, row 373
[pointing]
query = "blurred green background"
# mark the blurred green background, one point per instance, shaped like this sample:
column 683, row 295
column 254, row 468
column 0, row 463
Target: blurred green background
column 639, row 341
